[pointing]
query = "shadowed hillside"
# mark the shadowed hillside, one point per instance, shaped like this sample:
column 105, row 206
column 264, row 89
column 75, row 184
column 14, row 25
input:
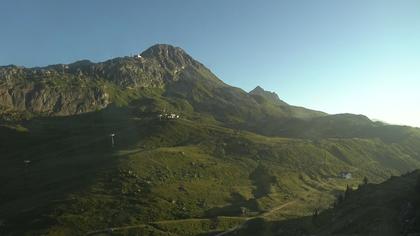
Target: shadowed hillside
column 389, row 208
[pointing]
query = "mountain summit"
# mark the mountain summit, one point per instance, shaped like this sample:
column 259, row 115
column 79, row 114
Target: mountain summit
column 269, row 96
column 169, row 56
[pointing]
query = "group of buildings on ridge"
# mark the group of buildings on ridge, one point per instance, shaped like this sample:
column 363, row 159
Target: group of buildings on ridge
column 168, row 116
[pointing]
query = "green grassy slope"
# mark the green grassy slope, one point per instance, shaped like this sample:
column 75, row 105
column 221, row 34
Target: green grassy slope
column 160, row 170
column 231, row 155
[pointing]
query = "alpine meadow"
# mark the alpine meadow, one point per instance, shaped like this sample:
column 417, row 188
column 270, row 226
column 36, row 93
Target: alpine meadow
column 158, row 144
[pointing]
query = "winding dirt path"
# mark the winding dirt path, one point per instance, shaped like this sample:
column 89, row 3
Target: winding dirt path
column 268, row 213
column 261, row 215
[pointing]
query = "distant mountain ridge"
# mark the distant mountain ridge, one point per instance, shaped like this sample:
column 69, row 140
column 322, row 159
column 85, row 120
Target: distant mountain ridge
column 84, row 86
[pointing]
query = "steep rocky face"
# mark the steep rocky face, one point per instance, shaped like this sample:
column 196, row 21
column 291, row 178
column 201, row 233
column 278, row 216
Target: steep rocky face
column 42, row 92
column 155, row 67
column 37, row 98
column 131, row 73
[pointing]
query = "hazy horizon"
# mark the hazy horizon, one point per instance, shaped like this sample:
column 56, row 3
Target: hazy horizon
column 356, row 57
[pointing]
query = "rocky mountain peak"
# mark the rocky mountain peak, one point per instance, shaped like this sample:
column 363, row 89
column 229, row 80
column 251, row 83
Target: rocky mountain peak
column 163, row 49
column 270, row 96
column 257, row 90
column 169, row 56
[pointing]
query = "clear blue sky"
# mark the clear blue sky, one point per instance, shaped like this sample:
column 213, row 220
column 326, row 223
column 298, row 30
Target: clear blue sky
column 359, row 56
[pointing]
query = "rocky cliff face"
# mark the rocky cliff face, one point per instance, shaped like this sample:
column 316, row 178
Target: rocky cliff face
column 47, row 92
column 41, row 99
